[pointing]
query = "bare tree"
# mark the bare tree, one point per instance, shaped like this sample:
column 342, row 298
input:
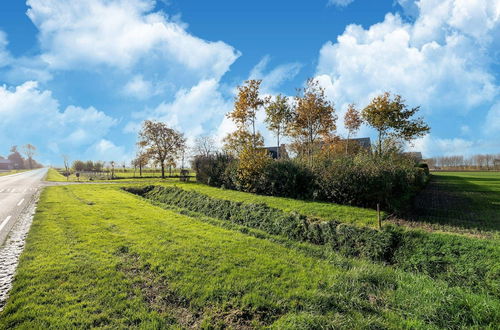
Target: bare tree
column 204, row 145
column 66, row 166
column 29, row 151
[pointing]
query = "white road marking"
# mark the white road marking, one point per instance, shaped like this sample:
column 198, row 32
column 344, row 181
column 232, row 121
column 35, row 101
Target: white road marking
column 4, row 222
column 20, row 202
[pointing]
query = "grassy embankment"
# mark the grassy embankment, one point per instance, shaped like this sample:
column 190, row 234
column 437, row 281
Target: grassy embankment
column 97, row 256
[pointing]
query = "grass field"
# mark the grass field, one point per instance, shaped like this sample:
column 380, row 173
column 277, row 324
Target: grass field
column 55, row 175
column 326, row 211
column 12, row 172
column 467, row 200
column 97, row 256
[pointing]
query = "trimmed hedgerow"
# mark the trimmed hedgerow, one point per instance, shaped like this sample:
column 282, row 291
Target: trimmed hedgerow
column 350, row 240
column 458, row 260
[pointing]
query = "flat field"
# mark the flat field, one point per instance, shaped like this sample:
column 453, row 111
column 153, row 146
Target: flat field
column 466, row 200
column 97, row 256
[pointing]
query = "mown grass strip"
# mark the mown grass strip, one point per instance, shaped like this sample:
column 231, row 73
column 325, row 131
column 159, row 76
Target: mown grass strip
column 75, row 272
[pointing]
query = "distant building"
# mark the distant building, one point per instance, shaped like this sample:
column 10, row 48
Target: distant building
column 364, row 143
column 6, row 165
column 273, row 152
column 416, row 155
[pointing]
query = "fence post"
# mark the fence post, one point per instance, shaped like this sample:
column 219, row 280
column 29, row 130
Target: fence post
column 378, row 215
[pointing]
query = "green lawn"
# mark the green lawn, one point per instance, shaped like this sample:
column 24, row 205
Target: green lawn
column 468, row 200
column 326, row 211
column 97, row 256
column 127, row 175
column 12, row 172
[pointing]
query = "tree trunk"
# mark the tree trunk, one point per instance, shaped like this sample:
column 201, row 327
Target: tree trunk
column 278, row 150
column 347, row 143
column 379, row 143
column 140, row 170
column 162, row 170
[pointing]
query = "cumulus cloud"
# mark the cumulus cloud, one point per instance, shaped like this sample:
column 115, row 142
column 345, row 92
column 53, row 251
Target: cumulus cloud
column 32, row 115
column 442, row 60
column 196, row 110
column 122, row 34
column 107, row 151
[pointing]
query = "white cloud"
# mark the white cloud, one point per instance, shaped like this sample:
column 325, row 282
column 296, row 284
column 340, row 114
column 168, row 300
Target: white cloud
column 492, row 123
column 431, row 146
column 140, row 88
column 195, row 111
column 5, row 57
column 274, row 78
column 122, row 34
column 340, row 3
column 32, row 115
column 107, row 151
column 441, row 61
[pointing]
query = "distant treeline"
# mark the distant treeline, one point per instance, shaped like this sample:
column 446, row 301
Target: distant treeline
column 18, row 162
column 458, row 162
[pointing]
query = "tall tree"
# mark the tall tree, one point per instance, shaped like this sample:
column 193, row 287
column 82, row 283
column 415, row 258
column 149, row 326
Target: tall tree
column 314, row 117
column 352, row 122
column 160, row 142
column 29, row 151
column 141, row 159
column 392, row 118
column 16, row 158
column 246, row 105
column 204, row 145
column 279, row 114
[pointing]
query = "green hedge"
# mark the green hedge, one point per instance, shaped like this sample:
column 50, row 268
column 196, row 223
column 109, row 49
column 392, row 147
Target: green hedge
column 460, row 261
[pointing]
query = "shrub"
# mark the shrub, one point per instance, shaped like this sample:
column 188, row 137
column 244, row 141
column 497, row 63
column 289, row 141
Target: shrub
column 211, row 169
column 286, row 178
column 366, row 180
column 425, row 167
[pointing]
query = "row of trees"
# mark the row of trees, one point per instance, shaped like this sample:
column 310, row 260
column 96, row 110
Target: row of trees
column 18, row 161
column 309, row 120
column 475, row 162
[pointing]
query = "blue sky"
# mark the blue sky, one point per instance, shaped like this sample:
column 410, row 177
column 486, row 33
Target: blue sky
column 78, row 77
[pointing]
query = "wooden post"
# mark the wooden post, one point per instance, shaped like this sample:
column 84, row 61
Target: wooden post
column 378, row 215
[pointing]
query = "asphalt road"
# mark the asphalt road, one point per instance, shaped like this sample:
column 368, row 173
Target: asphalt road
column 16, row 193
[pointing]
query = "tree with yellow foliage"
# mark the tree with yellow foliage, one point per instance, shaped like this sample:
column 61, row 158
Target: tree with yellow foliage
column 392, row 119
column 314, row 118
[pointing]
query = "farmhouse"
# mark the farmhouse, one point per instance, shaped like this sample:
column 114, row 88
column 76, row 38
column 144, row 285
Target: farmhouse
column 6, row 165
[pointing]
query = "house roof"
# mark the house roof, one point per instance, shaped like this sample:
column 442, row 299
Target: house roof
column 362, row 142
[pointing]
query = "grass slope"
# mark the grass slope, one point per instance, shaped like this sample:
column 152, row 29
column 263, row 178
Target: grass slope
column 100, row 257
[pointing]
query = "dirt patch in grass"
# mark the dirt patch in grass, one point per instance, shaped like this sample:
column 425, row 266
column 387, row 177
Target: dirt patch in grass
column 160, row 298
